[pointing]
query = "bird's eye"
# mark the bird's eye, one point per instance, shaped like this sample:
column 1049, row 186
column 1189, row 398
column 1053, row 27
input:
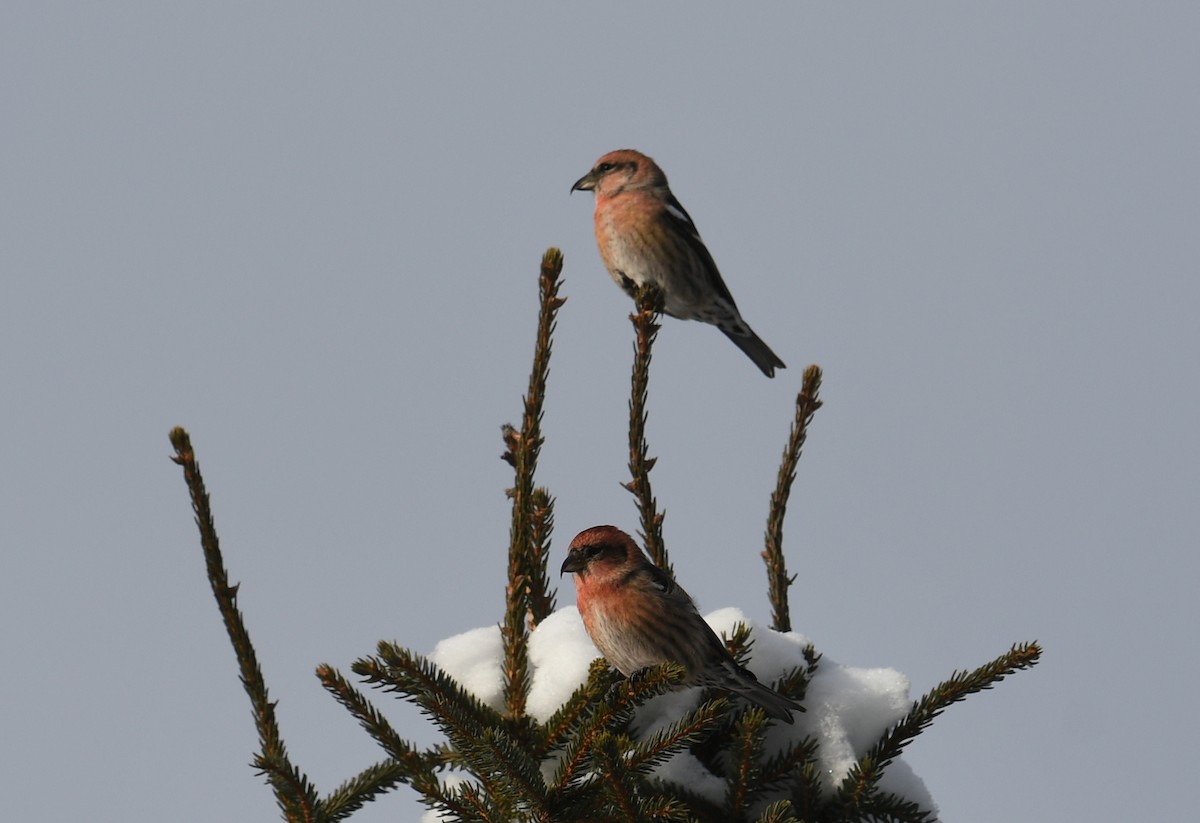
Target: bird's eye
column 604, row 168
column 592, row 551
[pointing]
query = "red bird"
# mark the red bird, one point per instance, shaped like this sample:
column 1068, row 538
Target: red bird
column 638, row 617
column 646, row 236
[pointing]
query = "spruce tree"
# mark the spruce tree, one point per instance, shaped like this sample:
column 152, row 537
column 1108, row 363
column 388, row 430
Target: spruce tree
column 586, row 762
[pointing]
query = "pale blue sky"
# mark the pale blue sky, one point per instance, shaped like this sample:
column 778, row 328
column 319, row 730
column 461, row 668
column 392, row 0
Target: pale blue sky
column 309, row 233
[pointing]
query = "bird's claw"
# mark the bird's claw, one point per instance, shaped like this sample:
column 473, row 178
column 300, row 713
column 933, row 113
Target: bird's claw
column 634, row 679
column 638, row 676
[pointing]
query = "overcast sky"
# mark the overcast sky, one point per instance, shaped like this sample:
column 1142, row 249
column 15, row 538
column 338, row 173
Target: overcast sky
column 310, row 233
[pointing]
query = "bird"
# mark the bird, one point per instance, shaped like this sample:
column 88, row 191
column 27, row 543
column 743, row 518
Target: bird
column 638, row 617
column 646, row 237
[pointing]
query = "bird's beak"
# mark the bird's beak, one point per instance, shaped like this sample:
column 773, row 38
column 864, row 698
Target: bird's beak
column 585, row 183
column 573, row 563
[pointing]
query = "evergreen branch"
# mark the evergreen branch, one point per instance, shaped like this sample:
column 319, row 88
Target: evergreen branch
column 527, row 556
column 559, row 727
column 610, row 712
column 794, row 684
column 615, row 778
column 712, row 749
column 410, row 766
column 644, row 684
column 508, row 774
column 665, row 808
column 515, row 640
column 864, row 776
column 579, row 751
column 670, row 739
column 739, row 643
column 469, row 806
column 583, row 801
column 785, row 765
column 366, row 714
column 490, row 745
column 812, row 657
column 778, row 580
column 442, row 756
column 645, row 323
column 701, row 809
column 508, row 771
column 887, row 806
column 745, row 776
column 365, row 787
column 808, row 795
column 780, row 811
column 541, row 597
column 438, row 694
column 295, row 796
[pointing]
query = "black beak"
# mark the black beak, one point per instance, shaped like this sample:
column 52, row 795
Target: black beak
column 575, row 562
column 585, row 183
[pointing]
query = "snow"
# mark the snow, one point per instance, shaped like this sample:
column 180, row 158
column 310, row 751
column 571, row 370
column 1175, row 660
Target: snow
column 560, row 652
column 473, row 658
column 848, row 707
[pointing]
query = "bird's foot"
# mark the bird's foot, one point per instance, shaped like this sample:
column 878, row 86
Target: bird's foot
column 632, row 681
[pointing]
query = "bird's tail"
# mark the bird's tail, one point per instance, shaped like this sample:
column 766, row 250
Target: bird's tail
column 756, row 350
column 771, row 701
column 741, row 681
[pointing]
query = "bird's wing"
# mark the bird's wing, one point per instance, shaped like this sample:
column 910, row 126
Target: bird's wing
column 680, row 221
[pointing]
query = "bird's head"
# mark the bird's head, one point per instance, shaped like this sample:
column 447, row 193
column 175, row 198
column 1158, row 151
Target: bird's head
column 619, row 171
column 599, row 549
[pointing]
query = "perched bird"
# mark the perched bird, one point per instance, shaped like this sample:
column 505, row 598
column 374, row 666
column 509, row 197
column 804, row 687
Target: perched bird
column 645, row 236
column 638, row 617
